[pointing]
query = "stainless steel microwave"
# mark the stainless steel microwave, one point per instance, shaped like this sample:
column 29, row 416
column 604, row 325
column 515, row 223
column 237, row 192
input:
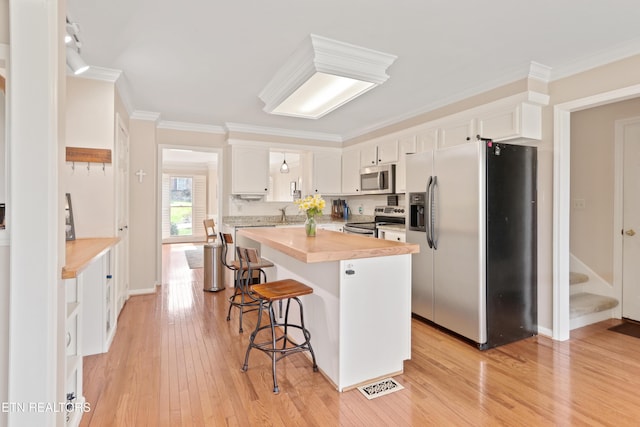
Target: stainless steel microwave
column 378, row 179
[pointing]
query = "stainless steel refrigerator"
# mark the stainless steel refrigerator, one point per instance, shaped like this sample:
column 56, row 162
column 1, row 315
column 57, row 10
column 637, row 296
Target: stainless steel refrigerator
column 472, row 210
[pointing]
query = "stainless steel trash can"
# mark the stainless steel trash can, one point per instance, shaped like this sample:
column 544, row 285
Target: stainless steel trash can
column 213, row 273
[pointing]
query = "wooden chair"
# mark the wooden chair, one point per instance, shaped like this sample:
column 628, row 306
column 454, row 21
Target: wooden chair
column 210, row 229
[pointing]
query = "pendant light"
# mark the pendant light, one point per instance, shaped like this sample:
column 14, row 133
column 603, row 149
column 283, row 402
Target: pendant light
column 285, row 167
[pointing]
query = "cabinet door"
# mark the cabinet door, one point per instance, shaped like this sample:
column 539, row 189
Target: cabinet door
column 456, row 133
column 396, row 236
column 388, row 152
column 368, row 155
column 250, row 170
column 523, row 120
column 406, row 146
column 327, row 176
column 426, row 140
column 351, row 172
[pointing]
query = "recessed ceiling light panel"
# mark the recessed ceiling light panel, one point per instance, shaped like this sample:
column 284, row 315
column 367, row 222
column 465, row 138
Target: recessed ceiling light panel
column 323, row 74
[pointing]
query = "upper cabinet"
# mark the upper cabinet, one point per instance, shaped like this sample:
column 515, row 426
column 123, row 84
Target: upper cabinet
column 406, row 145
column 351, row 171
column 523, row 121
column 379, row 153
column 249, row 169
column 327, row 173
column 456, row 132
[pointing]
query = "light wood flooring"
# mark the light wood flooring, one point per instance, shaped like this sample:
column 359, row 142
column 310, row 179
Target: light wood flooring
column 175, row 361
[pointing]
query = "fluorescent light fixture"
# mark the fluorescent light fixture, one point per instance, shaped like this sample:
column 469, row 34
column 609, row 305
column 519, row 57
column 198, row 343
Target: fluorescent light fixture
column 75, row 61
column 323, row 74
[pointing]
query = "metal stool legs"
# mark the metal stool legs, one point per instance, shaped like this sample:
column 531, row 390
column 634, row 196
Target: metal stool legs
column 271, row 347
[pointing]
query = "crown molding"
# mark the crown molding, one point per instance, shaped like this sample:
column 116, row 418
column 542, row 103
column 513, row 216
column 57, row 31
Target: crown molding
column 191, row 127
column 263, row 130
column 100, row 73
column 539, row 72
column 604, row 57
column 151, row 116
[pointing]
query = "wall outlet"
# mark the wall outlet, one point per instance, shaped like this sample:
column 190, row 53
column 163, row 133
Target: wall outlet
column 579, row 204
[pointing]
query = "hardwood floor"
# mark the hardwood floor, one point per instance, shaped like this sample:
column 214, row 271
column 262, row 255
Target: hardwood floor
column 175, row 361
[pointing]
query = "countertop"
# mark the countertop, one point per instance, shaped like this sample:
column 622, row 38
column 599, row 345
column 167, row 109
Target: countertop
column 81, row 252
column 327, row 245
column 292, row 220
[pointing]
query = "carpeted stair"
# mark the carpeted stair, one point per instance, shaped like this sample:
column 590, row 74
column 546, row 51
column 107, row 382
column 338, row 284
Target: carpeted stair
column 586, row 303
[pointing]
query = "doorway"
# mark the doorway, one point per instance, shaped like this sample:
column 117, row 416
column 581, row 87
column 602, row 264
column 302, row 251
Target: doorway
column 561, row 199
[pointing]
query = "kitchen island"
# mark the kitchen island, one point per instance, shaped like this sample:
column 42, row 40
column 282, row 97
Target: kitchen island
column 359, row 314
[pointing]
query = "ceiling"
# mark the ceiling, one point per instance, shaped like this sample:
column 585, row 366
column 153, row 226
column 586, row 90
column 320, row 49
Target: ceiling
column 205, row 62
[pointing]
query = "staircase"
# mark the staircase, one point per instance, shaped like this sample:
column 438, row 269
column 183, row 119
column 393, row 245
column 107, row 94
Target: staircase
column 587, row 307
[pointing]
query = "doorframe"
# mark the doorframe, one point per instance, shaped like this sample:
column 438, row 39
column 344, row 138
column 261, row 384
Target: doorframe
column 160, row 148
column 562, row 196
column 618, row 204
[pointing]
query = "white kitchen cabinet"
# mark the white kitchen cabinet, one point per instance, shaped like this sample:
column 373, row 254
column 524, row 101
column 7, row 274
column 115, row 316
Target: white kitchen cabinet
column 520, row 121
column 368, row 155
column 98, row 306
column 331, row 227
column 327, row 172
column 406, row 145
column 394, row 235
column 73, row 349
column 379, row 153
column 426, row 140
column 249, row 169
column 457, row 132
column 351, row 171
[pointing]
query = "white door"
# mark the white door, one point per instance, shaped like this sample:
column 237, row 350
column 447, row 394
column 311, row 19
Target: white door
column 122, row 202
column 631, row 222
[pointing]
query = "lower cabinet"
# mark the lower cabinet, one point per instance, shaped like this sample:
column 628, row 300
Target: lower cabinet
column 98, row 306
column 73, row 345
column 90, row 326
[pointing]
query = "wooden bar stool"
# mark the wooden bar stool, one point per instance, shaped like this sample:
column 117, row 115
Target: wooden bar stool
column 276, row 347
column 246, row 267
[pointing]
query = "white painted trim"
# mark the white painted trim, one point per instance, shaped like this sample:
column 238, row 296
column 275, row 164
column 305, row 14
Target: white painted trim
column 151, row 116
column 220, row 166
column 191, row 127
column 145, row 291
column 263, row 130
column 100, row 73
column 562, row 196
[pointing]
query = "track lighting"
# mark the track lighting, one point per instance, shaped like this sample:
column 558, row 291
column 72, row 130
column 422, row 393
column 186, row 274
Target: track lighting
column 75, row 61
column 71, row 40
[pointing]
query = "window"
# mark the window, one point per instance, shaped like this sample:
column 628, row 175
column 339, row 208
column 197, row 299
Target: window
column 181, row 206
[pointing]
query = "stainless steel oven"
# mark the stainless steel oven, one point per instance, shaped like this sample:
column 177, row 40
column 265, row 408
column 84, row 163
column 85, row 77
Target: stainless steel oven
column 367, row 229
column 383, row 215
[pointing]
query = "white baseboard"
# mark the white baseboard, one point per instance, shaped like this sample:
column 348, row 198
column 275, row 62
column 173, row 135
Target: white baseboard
column 591, row 318
column 134, row 292
column 545, row 331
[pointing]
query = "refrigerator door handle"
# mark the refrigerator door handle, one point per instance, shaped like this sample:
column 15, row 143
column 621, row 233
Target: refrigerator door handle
column 427, row 213
column 432, row 213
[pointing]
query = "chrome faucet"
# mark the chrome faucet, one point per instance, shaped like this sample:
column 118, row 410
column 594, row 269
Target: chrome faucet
column 283, row 218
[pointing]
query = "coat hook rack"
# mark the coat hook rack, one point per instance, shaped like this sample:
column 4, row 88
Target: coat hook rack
column 89, row 155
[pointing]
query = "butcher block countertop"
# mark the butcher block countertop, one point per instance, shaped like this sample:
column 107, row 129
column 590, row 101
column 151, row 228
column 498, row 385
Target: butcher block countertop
column 81, row 252
column 327, row 245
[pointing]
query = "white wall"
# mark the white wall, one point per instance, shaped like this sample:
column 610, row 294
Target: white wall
column 90, row 124
column 592, row 180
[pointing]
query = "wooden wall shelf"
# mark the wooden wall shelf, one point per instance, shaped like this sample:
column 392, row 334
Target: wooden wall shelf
column 90, row 155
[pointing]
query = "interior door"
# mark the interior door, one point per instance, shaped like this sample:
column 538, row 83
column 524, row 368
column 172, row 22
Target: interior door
column 122, row 197
column 631, row 222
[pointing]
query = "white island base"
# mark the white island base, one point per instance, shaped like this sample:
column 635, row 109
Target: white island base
column 359, row 314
